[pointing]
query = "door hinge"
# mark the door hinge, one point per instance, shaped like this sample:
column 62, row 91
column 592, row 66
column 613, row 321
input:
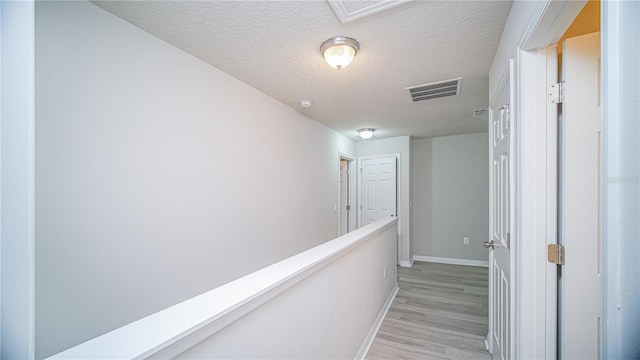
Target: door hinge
column 508, row 240
column 555, row 254
column 556, row 93
column 348, row 207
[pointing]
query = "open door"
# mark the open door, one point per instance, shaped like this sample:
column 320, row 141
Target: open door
column 579, row 213
column 499, row 339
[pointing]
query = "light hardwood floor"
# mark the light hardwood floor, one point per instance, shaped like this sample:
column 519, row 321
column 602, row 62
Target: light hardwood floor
column 440, row 312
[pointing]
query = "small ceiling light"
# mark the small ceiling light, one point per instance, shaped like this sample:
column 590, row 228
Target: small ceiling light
column 366, row 133
column 339, row 51
column 305, row 104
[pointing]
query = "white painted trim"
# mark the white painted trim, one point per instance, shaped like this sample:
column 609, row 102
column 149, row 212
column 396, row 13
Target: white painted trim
column 352, row 196
column 534, row 322
column 346, row 16
column 549, row 22
column 172, row 331
column 443, row 260
column 1, row 322
column 17, row 193
column 406, row 263
column 550, row 303
column 366, row 344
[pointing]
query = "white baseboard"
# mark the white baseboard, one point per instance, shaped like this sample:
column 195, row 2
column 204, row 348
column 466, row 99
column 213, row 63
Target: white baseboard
column 442, row 260
column 405, row 263
column 366, row 344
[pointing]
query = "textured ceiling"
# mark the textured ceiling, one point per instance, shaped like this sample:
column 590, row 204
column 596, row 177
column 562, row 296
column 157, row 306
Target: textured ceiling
column 274, row 47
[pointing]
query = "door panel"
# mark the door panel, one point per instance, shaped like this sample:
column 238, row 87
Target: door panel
column 500, row 321
column 378, row 188
column 579, row 300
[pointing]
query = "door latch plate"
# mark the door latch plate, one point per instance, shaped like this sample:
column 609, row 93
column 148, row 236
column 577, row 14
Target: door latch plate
column 555, row 254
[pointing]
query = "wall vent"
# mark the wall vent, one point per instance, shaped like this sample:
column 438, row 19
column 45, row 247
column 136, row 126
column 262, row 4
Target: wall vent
column 479, row 112
column 435, row 90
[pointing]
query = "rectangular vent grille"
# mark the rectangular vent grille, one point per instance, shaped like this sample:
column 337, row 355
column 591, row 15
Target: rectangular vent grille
column 480, row 112
column 435, row 90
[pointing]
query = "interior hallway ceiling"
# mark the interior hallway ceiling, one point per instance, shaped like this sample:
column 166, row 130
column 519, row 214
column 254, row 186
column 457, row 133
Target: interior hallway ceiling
column 274, row 47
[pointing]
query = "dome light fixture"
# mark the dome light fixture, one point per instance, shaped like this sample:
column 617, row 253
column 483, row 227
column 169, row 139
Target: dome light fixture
column 305, row 104
column 366, row 133
column 339, row 51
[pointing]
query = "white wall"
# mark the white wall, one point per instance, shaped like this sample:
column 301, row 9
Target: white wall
column 517, row 22
column 288, row 310
column 451, row 196
column 159, row 177
column 397, row 145
column 621, row 180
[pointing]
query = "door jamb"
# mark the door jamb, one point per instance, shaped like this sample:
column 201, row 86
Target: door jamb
column 535, row 306
column 351, row 222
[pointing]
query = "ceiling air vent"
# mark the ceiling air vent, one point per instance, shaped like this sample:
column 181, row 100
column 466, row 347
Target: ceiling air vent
column 435, row 90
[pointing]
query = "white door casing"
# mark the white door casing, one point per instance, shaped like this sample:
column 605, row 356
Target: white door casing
column 343, row 199
column 579, row 300
column 499, row 339
column 378, row 188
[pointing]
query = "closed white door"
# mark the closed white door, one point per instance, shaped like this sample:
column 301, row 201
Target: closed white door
column 499, row 244
column 579, row 290
column 378, row 188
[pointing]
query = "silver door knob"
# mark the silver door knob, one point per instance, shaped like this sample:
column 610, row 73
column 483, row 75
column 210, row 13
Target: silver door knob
column 489, row 244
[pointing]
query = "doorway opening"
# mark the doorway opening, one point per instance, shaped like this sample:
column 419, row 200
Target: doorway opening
column 579, row 148
column 345, row 196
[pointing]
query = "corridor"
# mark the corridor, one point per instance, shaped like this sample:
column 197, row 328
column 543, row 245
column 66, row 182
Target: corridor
column 440, row 312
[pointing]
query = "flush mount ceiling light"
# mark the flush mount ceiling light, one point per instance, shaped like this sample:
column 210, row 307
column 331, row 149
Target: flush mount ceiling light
column 305, row 104
column 339, row 51
column 366, row 133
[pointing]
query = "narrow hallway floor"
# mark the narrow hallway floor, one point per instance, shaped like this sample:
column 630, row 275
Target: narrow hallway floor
column 440, row 312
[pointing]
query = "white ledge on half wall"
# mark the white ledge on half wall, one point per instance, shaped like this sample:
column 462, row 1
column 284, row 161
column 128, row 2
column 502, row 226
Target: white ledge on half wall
column 171, row 331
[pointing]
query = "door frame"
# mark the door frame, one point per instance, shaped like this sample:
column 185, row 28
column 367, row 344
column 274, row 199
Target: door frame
column 351, row 223
column 398, row 200
column 536, row 183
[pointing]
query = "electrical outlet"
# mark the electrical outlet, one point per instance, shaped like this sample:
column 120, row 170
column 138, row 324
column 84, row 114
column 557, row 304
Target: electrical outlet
column 386, row 272
column 466, row 240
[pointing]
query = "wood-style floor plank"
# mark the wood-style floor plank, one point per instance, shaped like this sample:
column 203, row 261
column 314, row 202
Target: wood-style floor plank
column 440, row 312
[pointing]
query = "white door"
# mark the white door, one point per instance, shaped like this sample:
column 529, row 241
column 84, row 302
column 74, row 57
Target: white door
column 343, row 206
column 378, row 188
column 500, row 129
column 579, row 290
